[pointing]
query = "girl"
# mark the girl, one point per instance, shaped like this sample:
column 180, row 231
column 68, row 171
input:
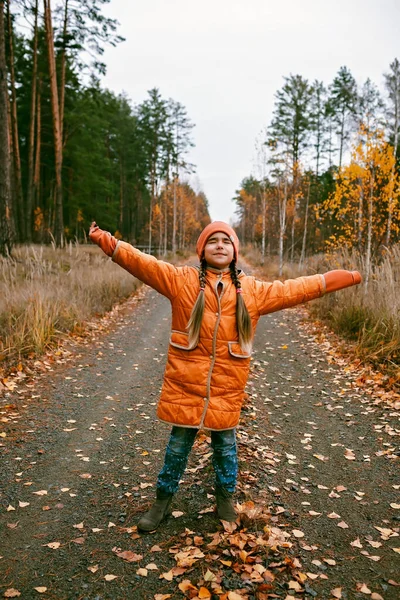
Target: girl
column 215, row 309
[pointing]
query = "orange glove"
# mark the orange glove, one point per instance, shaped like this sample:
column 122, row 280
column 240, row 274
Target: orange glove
column 103, row 239
column 339, row 279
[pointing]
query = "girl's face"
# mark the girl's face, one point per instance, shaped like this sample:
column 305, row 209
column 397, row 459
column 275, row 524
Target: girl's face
column 219, row 251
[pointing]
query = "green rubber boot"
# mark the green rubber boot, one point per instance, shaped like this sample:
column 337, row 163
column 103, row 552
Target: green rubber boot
column 225, row 508
column 159, row 511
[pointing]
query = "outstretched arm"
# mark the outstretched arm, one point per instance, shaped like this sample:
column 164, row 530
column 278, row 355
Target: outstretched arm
column 339, row 279
column 160, row 275
column 103, row 239
column 276, row 295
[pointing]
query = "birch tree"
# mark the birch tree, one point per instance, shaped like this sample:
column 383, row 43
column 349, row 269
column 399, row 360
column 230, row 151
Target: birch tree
column 392, row 82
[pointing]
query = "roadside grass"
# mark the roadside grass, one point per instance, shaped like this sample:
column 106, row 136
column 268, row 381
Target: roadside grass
column 47, row 292
column 368, row 317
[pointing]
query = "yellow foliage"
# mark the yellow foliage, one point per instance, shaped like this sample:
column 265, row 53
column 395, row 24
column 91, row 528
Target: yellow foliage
column 365, row 191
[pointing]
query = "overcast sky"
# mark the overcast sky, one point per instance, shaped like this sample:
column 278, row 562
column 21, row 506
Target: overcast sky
column 225, row 59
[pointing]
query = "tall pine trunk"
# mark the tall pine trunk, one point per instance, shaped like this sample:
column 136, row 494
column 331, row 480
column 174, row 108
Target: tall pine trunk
column 36, row 173
column 16, row 171
column 5, row 189
column 55, row 109
column 30, row 195
column 63, row 70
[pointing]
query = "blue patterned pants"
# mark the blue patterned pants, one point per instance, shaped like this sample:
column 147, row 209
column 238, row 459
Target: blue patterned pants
column 224, row 459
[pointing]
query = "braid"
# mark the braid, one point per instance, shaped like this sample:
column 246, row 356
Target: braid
column 243, row 320
column 196, row 316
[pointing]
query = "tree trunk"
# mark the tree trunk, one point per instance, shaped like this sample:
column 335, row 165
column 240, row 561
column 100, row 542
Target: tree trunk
column 303, row 247
column 31, row 149
column 360, row 214
column 393, row 171
column 282, row 223
column 341, row 138
column 5, row 190
column 55, row 108
column 63, row 70
column 263, row 224
column 165, row 229
column 18, row 200
column 36, row 174
column 174, row 218
column 369, row 231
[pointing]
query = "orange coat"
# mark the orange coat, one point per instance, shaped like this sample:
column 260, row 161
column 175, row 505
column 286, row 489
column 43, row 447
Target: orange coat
column 204, row 387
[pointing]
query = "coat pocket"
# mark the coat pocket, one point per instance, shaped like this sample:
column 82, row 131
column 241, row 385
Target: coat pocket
column 236, row 350
column 180, row 339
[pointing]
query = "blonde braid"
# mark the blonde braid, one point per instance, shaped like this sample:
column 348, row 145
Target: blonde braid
column 243, row 320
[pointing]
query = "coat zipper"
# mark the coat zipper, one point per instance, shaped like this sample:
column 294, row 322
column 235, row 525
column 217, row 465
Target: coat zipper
column 214, row 348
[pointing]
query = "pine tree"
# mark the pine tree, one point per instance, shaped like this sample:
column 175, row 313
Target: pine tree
column 5, row 190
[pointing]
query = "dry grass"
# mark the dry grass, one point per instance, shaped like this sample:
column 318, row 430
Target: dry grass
column 369, row 317
column 46, row 292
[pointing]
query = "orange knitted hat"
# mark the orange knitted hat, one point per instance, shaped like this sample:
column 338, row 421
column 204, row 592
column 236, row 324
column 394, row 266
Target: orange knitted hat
column 214, row 227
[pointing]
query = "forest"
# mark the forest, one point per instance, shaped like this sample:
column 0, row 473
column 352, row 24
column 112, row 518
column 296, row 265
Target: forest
column 72, row 151
column 326, row 170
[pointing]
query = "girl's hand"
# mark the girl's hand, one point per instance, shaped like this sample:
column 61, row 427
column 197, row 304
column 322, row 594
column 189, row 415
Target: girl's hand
column 339, row 279
column 103, row 239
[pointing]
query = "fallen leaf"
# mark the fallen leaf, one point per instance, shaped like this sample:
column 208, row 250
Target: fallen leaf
column 396, row 550
column 9, row 509
column 40, row 493
column 295, row 585
column 129, row 556
column 162, row 596
column 23, row 504
column 337, row 592
column 321, row 457
column 78, row 526
column 349, row 454
column 394, row 505
column 376, row 596
column 333, row 515
column 356, row 543
column 142, row 572
column 177, row 513
column 374, row 544
column 343, row 525
column 93, row 569
column 41, row 589
column 53, row 545
column 204, row 593
column 11, row 593
column 361, row 587
column 110, row 577
column 329, row 561
column 297, row 533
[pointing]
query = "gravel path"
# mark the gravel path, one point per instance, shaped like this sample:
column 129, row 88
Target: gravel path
column 81, row 449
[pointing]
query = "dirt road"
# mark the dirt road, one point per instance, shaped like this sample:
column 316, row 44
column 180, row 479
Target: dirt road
column 81, row 449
